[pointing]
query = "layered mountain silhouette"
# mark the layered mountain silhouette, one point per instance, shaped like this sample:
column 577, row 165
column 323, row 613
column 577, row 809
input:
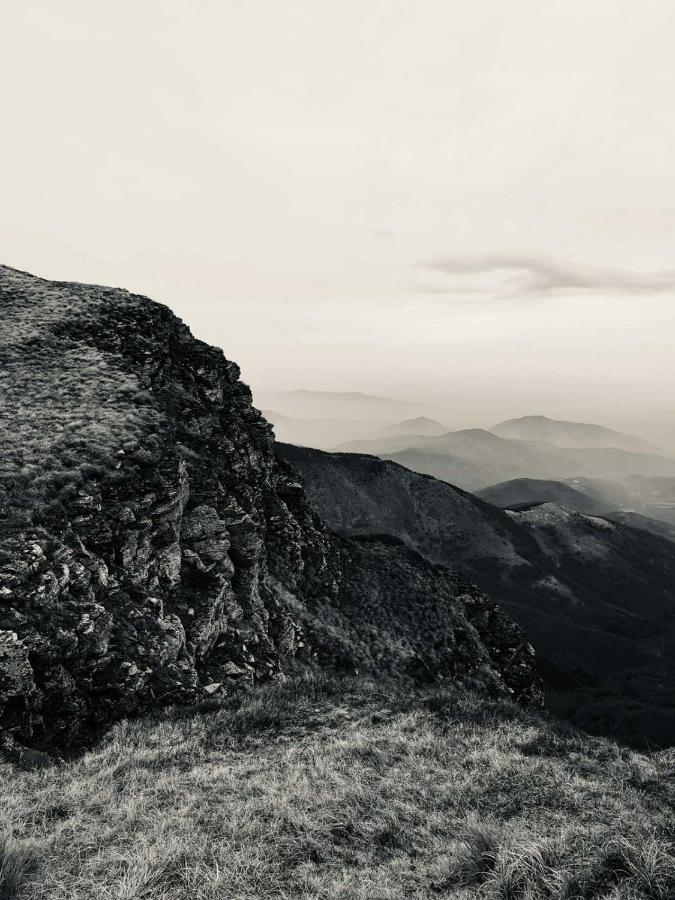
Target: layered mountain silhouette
column 475, row 458
column 316, row 432
column 570, row 434
column 596, row 597
column 347, row 405
column 327, row 418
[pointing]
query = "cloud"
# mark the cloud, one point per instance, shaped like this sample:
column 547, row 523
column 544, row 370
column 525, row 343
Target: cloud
column 533, row 275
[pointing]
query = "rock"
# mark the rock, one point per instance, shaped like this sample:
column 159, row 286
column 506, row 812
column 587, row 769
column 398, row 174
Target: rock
column 130, row 580
column 232, row 669
column 19, row 694
column 24, row 757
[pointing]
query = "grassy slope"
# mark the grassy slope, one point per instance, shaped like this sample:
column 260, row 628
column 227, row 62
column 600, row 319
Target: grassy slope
column 324, row 789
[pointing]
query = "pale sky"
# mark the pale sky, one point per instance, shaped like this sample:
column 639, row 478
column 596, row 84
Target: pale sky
column 470, row 201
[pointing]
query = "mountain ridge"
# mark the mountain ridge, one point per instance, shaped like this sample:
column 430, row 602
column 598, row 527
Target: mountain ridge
column 476, row 458
column 305, row 403
column 154, row 551
column 519, row 491
column 612, row 501
column 568, row 434
column 595, row 597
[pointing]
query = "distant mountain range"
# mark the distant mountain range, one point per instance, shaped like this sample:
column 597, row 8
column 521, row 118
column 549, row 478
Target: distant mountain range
column 529, row 460
column 524, row 494
column 316, row 432
column 570, row 434
column 414, row 434
column 347, row 405
column 475, row 458
column 327, row 418
column 596, row 598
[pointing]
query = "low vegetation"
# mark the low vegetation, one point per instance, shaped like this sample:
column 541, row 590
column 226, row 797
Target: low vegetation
column 325, row 789
column 68, row 410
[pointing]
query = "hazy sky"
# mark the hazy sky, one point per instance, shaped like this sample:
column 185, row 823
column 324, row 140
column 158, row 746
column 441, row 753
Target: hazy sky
column 469, row 200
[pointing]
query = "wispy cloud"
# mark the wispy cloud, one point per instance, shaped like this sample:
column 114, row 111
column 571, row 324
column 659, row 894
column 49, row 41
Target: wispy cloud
column 529, row 275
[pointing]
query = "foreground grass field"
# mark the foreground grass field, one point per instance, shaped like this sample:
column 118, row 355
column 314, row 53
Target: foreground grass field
column 324, row 789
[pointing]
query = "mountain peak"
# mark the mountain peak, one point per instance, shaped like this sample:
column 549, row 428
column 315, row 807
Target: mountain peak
column 421, row 425
column 565, row 434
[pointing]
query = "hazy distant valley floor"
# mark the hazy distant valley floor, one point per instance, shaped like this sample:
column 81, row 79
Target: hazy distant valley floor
column 326, row 789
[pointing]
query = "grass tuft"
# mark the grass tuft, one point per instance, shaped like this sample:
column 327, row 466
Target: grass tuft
column 478, row 855
column 16, row 861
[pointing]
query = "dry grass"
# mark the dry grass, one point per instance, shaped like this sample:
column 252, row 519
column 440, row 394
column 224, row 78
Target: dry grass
column 67, row 409
column 324, row 789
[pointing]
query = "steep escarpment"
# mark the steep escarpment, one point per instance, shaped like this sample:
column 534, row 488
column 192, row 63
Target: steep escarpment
column 153, row 549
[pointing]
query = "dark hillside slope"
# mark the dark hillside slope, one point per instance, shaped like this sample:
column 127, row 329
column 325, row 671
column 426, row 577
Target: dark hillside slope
column 524, row 492
column 536, row 490
column 644, row 523
column 152, row 549
column 596, row 598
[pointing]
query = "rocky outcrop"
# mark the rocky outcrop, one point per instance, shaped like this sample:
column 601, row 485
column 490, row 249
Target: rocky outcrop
column 154, row 552
column 399, row 616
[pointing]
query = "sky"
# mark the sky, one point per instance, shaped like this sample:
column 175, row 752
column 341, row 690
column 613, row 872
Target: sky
column 465, row 201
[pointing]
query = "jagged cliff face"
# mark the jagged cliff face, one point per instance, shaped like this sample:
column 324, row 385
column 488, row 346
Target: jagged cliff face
column 153, row 551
